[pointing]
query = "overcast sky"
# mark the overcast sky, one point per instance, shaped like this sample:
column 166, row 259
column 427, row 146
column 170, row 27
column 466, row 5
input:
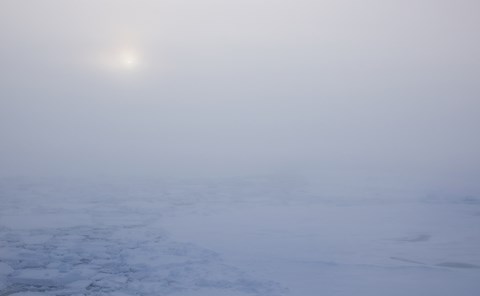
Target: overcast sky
column 188, row 86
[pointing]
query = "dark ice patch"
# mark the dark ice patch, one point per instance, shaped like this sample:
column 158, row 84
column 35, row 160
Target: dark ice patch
column 416, row 238
column 406, row 260
column 457, row 265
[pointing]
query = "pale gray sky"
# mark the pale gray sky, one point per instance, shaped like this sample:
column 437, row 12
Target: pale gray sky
column 156, row 87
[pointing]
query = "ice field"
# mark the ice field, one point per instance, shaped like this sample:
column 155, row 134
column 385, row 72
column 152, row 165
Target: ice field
column 239, row 148
column 237, row 236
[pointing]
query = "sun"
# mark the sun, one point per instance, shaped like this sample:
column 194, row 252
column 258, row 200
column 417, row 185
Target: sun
column 128, row 60
column 120, row 61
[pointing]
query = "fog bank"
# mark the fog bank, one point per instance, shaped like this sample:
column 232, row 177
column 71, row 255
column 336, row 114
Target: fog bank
column 385, row 89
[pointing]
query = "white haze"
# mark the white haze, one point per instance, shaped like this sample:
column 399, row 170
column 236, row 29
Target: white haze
column 346, row 88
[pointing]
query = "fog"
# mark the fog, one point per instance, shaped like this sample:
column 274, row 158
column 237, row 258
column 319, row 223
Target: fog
column 247, row 147
column 177, row 88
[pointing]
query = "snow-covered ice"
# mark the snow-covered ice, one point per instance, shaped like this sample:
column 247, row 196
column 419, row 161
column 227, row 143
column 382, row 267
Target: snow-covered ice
column 235, row 236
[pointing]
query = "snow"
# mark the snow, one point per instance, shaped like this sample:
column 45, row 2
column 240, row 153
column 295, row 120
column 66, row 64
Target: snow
column 5, row 269
column 232, row 237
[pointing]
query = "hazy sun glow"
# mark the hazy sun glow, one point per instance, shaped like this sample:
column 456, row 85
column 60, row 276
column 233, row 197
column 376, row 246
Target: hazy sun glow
column 119, row 60
column 128, row 59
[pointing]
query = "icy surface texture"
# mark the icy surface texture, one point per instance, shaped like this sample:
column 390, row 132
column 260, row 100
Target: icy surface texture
column 238, row 236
